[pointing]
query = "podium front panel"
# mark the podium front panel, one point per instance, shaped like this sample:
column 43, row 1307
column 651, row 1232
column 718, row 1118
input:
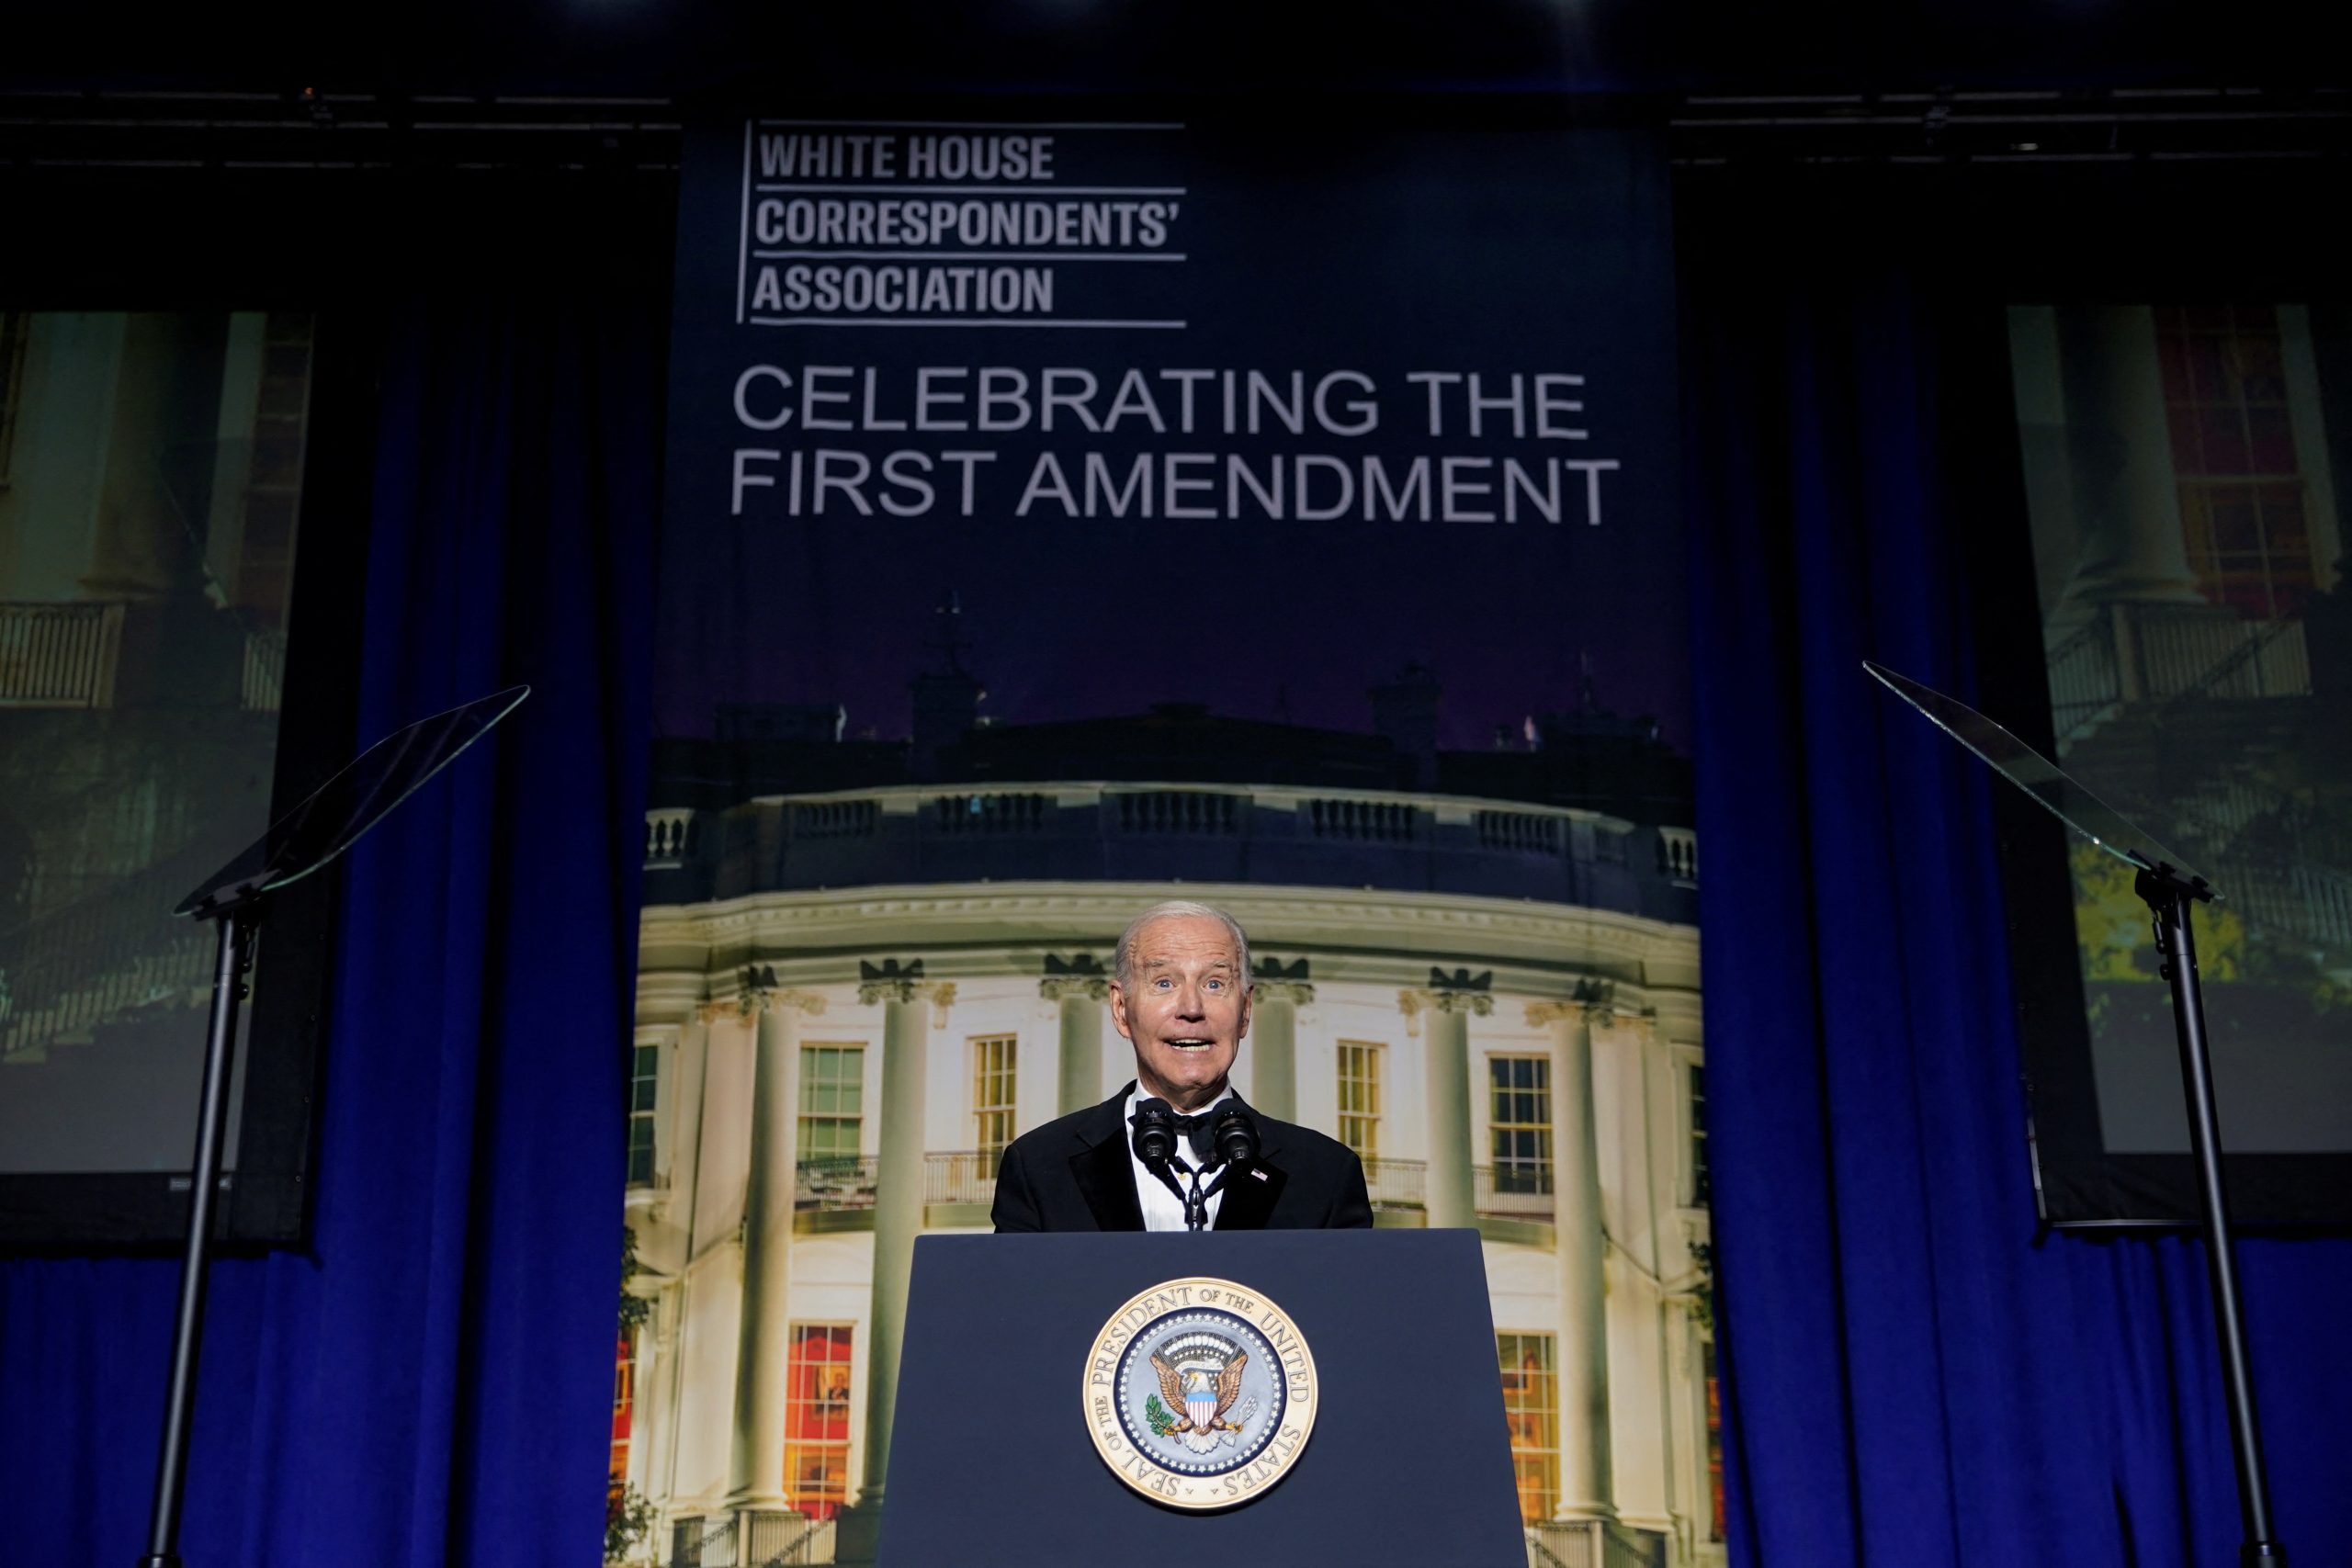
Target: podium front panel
column 993, row 1465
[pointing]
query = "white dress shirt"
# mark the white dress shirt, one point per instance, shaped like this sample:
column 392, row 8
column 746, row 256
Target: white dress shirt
column 1162, row 1209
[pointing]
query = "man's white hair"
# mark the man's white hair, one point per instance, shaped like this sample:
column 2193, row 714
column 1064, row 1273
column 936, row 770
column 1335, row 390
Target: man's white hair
column 1123, row 957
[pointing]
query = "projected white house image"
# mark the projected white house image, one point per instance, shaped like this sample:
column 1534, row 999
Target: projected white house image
column 150, row 474
column 850, row 1000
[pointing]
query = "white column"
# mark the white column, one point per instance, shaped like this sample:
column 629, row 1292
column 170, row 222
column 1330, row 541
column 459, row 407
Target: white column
column 663, row 1240
column 755, row 1467
column 1583, row 1353
column 650, row 1358
column 1453, row 1201
column 908, row 1015
column 1645, row 1407
column 2127, row 501
column 1273, row 1041
column 136, row 539
column 1082, row 997
column 710, row 1279
column 2306, row 418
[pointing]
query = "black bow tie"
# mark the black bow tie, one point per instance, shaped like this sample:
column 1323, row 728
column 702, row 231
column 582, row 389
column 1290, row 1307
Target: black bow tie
column 1194, row 1130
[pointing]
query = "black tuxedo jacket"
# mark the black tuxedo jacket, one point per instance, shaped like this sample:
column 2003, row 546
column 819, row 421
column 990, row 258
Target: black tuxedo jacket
column 1077, row 1174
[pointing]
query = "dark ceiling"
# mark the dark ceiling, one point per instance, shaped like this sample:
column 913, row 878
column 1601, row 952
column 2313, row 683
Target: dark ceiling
column 669, row 48
column 601, row 82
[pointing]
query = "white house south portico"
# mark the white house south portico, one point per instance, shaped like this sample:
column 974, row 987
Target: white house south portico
column 830, row 1066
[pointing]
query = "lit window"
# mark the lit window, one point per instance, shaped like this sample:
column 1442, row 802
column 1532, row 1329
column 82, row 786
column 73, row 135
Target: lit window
column 816, row 1419
column 832, row 1102
column 1714, row 1444
column 1519, row 1123
column 1531, row 1410
column 993, row 1107
column 1360, row 1097
column 624, row 1409
column 644, row 1070
column 2233, row 458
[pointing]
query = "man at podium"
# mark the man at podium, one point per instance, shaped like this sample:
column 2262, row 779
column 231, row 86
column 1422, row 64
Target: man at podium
column 1177, row 1149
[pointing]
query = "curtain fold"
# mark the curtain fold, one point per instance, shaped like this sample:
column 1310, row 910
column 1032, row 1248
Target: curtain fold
column 430, row 1383
column 1913, row 1378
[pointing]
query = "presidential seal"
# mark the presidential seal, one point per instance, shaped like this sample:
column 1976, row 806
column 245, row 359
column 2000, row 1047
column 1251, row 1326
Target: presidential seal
column 1200, row 1393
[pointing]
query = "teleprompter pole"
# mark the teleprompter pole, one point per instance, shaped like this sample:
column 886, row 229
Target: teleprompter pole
column 235, row 957
column 329, row 821
column 2171, row 899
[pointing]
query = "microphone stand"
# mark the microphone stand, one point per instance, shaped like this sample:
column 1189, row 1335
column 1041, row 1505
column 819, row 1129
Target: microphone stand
column 1195, row 1203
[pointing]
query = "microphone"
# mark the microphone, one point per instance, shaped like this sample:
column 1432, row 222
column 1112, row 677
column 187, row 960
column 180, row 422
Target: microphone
column 1232, row 1142
column 1155, row 1135
column 1234, row 1136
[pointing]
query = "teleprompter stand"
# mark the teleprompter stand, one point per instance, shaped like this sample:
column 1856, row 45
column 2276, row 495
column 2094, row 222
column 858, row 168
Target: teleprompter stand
column 306, row 839
column 2171, row 892
column 2170, row 896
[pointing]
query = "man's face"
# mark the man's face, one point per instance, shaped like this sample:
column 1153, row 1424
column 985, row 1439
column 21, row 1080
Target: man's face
column 1184, row 1007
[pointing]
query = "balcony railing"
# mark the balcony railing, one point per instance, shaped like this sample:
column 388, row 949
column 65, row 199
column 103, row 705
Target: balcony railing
column 1511, row 1192
column 1397, row 1183
column 966, row 1176
column 776, row 1537
column 1678, row 854
column 997, row 812
column 832, row 1185
column 700, row 1541
column 1079, row 830
column 105, row 955
column 59, row 656
column 2085, row 688
column 261, row 685
column 1381, row 821
column 749, row 1537
column 1526, row 832
column 1180, row 811
column 837, row 1186
column 669, row 838
column 815, row 819
column 2168, row 653
column 1593, row 1543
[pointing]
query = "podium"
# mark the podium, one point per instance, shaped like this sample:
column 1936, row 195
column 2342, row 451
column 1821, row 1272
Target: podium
column 994, row 1454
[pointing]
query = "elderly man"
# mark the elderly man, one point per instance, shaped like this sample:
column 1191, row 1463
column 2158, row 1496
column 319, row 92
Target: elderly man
column 1180, row 992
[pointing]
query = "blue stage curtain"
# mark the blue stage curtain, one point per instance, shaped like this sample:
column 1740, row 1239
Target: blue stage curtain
column 432, row 1383
column 1911, row 1379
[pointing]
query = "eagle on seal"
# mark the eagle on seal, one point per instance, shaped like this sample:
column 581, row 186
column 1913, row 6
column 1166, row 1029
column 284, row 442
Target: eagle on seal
column 1201, row 1400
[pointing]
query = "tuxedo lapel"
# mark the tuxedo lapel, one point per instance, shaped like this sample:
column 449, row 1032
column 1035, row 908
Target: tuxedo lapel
column 1249, row 1194
column 1105, row 1172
